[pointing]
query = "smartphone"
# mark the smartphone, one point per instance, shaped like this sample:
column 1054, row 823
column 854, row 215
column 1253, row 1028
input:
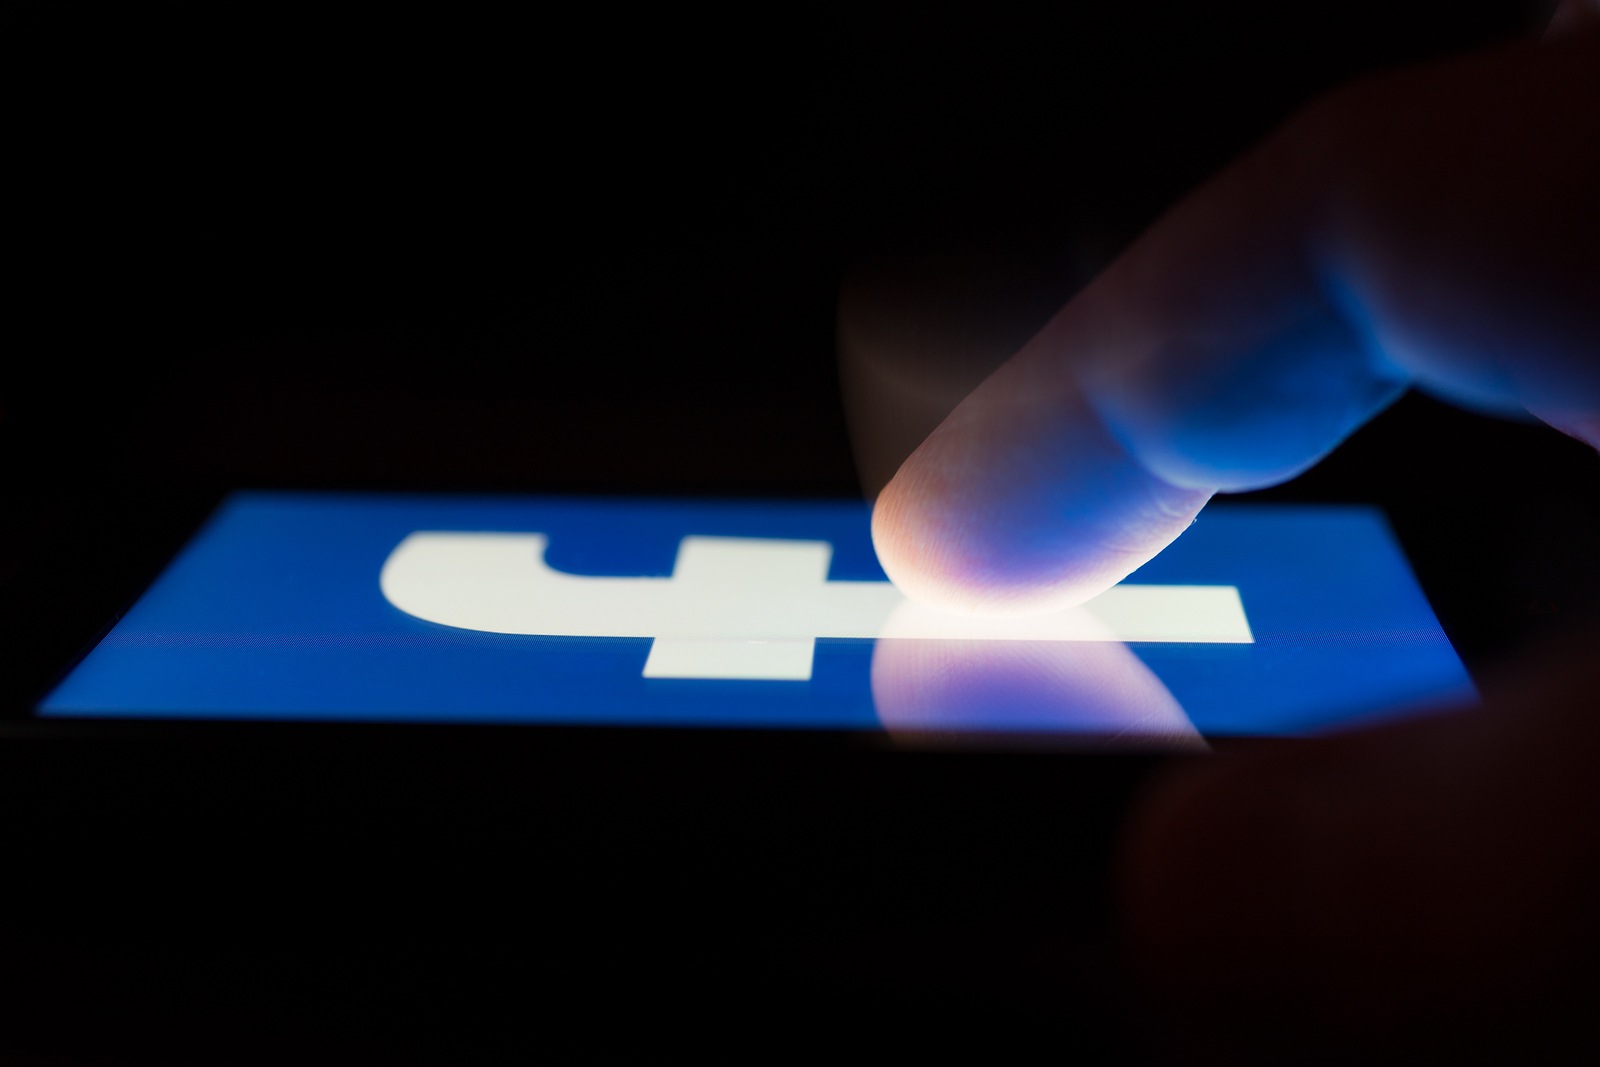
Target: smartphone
column 684, row 615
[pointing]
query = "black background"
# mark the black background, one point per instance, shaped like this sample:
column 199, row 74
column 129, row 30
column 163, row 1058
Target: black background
column 592, row 251
column 598, row 250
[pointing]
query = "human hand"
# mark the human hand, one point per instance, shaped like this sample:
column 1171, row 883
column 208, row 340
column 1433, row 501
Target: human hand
column 1437, row 229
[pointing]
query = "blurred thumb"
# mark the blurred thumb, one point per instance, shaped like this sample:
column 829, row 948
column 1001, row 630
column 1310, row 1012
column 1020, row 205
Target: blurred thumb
column 1435, row 877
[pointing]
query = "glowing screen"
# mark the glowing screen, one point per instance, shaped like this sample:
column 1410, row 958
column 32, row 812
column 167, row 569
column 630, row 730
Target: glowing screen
column 1258, row 620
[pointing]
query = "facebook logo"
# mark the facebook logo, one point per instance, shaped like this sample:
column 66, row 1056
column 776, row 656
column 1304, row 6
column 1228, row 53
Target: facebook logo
column 752, row 608
column 437, row 608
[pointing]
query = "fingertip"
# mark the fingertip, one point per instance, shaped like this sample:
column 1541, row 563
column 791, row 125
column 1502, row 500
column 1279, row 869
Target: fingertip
column 1021, row 502
column 977, row 555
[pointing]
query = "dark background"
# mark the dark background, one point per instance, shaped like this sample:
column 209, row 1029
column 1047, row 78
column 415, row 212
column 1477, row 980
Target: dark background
column 598, row 251
column 591, row 251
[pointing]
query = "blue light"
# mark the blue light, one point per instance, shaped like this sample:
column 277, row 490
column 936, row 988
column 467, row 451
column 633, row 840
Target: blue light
column 274, row 612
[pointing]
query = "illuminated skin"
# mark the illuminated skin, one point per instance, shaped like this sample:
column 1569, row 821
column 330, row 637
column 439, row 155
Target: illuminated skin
column 1439, row 229
column 1368, row 246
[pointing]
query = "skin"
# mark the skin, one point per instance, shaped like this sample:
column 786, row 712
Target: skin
column 1438, row 229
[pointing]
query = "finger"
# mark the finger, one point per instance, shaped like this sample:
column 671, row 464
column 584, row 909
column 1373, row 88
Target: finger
column 1023, row 501
column 1434, row 877
column 1437, row 228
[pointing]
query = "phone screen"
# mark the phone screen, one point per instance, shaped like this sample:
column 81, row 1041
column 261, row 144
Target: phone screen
column 1258, row 620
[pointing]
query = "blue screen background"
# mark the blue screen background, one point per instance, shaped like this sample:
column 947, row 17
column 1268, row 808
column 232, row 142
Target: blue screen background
column 274, row 611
